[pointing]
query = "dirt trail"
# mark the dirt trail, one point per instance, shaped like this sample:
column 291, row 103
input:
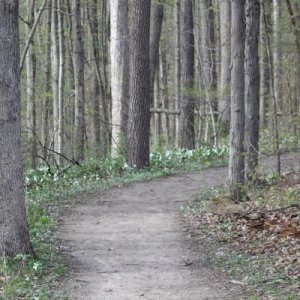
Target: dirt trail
column 128, row 243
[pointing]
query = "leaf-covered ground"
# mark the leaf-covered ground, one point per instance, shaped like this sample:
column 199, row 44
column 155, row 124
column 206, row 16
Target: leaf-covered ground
column 256, row 243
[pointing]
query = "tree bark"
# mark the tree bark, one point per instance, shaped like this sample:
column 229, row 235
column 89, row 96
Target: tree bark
column 157, row 15
column 14, row 236
column 177, row 80
column 30, row 90
column 61, row 81
column 236, row 155
column 78, row 60
column 119, row 53
column 186, row 119
column 92, row 14
column 277, row 52
column 251, row 88
column 139, row 112
column 55, row 72
column 47, row 83
column 225, row 32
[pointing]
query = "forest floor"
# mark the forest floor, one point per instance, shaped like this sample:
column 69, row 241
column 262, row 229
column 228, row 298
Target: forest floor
column 131, row 242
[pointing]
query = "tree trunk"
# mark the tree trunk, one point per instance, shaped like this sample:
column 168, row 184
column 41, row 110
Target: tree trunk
column 277, row 52
column 177, row 80
column 236, row 155
column 78, row 60
column 92, row 14
column 55, row 72
column 186, row 126
column 251, row 88
column 225, row 32
column 264, row 74
column 14, row 236
column 119, row 53
column 208, row 61
column 31, row 72
column 139, row 112
column 61, row 81
column 47, row 83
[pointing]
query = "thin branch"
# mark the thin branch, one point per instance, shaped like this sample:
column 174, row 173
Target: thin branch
column 29, row 39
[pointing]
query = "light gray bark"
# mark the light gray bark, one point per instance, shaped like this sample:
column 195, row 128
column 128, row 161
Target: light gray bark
column 14, row 236
column 225, row 33
column 157, row 15
column 208, row 61
column 177, row 80
column 236, row 155
column 119, row 53
column 55, row 72
column 186, row 119
column 61, row 81
column 78, row 61
column 47, row 82
column 30, row 88
column 264, row 74
column 251, row 88
column 277, row 52
column 139, row 111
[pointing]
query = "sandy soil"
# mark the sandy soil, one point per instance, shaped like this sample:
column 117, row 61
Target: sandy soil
column 128, row 243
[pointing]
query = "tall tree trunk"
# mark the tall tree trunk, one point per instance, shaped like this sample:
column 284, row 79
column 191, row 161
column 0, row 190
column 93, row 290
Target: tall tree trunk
column 294, row 12
column 186, row 126
column 14, row 236
column 208, row 51
column 47, row 82
column 61, row 42
column 264, row 74
column 157, row 15
column 55, row 72
column 78, row 60
column 177, row 80
column 92, row 12
column 251, row 87
column 119, row 53
column 31, row 71
column 225, row 33
column 139, row 112
column 277, row 52
column 236, row 155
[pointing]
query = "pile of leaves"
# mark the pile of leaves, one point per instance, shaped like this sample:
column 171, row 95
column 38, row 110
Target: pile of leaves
column 257, row 242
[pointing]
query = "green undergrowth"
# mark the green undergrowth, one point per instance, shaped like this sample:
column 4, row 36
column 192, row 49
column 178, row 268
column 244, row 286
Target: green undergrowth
column 47, row 191
column 255, row 243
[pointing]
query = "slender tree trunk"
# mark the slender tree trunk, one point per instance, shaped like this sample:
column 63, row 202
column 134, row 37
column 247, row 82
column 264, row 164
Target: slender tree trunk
column 225, row 32
column 277, row 52
column 264, row 74
column 96, row 81
column 236, row 155
column 78, row 60
column 139, row 112
column 55, row 72
column 272, row 87
column 31, row 71
column 61, row 81
column 14, row 236
column 177, row 80
column 186, row 126
column 47, row 82
column 157, row 15
column 208, row 61
column 119, row 53
column 251, row 88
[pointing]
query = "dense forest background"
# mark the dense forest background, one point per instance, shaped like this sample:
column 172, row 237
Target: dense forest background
column 73, row 93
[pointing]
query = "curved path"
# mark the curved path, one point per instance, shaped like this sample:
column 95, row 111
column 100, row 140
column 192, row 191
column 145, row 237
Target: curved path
column 128, row 243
